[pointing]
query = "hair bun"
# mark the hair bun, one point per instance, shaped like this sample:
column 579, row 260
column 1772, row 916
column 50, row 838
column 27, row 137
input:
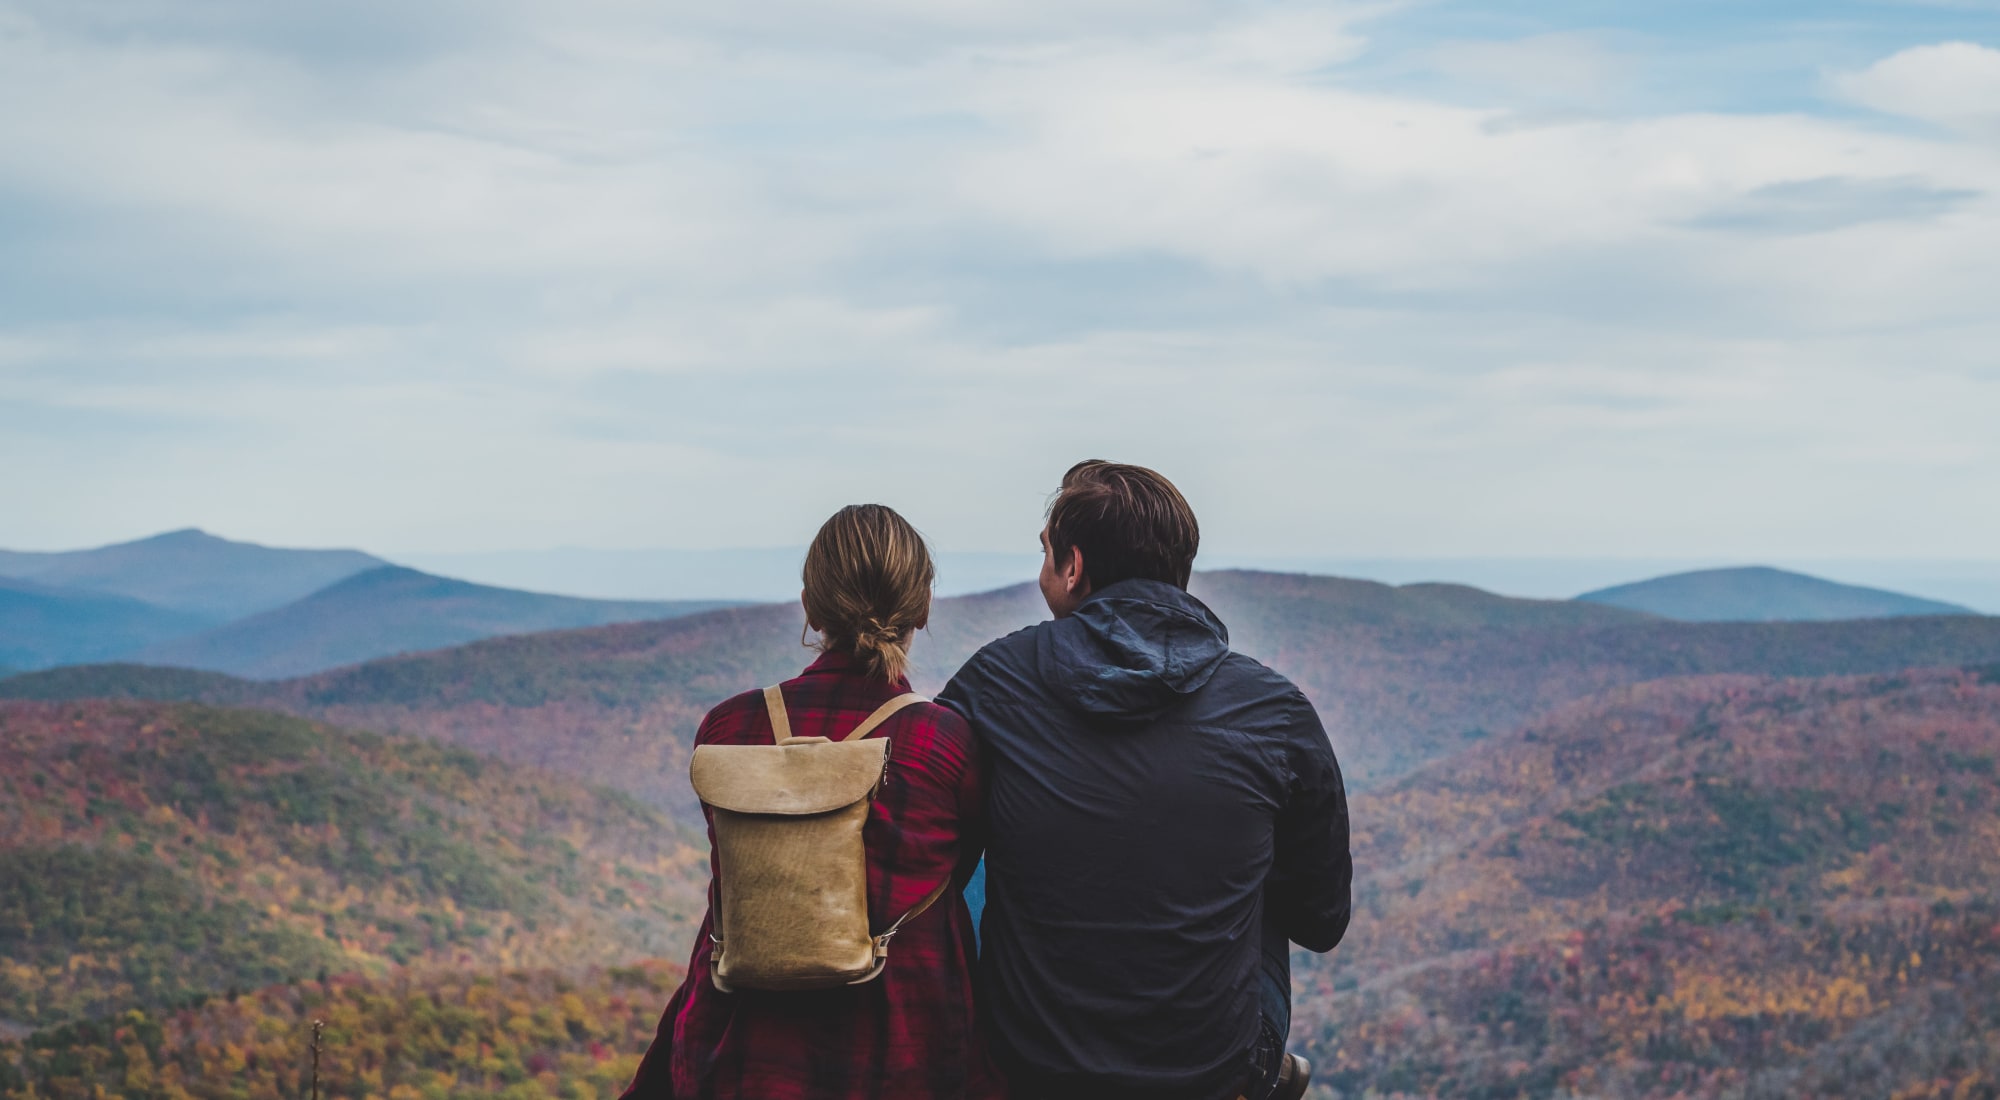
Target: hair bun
column 868, row 578
column 876, row 634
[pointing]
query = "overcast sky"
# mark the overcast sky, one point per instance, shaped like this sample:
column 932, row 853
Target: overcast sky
column 1710, row 279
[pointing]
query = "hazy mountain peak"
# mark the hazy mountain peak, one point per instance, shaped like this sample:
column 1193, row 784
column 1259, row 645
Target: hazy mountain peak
column 391, row 609
column 192, row 571
column 391, row 576
column 1762, row 593
column 181, row 534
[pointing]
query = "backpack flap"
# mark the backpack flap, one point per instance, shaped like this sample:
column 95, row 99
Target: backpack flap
column 791, row 780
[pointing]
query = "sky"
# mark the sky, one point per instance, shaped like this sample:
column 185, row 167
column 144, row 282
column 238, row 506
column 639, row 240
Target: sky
column 1703, row 280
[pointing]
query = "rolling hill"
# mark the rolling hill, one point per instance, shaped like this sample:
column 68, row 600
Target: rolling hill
column 127, row 683
column 192, row 571
column 618, row 704
column 1600, row 854
column 1709, row 887
column 1719, row 886
column 42, row 626
column 1401, row 689
column 1762, row 594
column 152, row 852
column 1401, row 676
column 385, row 611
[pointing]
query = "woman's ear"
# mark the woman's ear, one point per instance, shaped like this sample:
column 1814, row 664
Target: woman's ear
column 810, row 625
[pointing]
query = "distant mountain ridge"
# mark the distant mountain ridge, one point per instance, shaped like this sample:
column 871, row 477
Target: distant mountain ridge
column 193, row 571
column 41, row 625
column 389, row 610
column 1400, row 676
column 1762, row 594
column 189, row 599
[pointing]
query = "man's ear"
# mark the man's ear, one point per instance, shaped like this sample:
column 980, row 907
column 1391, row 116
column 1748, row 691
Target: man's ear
column 1074, row 578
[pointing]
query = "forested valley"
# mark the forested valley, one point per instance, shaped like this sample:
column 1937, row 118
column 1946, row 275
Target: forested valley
column 1598, row 855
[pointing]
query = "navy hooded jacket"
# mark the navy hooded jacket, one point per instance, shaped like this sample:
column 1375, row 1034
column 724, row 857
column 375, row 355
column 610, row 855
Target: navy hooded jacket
column 1157, row 805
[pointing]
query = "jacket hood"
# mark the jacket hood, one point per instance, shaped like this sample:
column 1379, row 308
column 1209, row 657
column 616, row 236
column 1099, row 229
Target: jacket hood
column 1133, row 650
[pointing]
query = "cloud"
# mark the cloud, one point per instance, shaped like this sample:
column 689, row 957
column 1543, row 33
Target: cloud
column 1315, row 188
column 1576, row 72
column 517, row 274
column 1831, row 203
column 1953, row 84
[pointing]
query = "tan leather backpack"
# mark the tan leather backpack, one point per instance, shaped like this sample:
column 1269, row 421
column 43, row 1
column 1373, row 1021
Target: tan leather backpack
column 792, row 874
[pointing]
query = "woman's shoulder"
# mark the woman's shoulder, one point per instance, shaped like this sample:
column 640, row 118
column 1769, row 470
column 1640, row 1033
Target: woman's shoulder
column 930, row 729
column 946, row 721
column 739, row 714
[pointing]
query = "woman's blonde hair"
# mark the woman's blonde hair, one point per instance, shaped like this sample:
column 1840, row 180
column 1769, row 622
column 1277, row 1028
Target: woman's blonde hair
column 868, row 581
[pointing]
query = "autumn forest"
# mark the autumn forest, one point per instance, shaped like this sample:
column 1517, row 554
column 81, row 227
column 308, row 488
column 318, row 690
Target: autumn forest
column 1600, row 854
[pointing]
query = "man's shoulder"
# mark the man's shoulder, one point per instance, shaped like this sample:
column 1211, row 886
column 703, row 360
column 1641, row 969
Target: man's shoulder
column 1004, row 670
column 1248, row 676
column 1262, row 700
column 1009, row 650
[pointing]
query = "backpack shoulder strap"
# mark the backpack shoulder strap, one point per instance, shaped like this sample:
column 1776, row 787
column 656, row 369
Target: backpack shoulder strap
column 882, row 941
column 781, row 723
column 882, row 714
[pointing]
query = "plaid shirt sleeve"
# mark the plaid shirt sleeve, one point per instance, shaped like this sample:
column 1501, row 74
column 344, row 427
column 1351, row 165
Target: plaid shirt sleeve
column 928, row 820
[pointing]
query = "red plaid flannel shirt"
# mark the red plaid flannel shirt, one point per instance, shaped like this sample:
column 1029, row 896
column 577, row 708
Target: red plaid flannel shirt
column 910, row 1034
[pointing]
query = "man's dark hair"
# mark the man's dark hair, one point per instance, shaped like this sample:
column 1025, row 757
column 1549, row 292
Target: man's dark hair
column 1129, row 521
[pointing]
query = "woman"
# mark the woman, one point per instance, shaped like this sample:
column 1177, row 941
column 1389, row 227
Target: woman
column 909, row 1034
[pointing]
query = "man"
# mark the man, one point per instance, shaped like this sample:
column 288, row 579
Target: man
column 1166, row 817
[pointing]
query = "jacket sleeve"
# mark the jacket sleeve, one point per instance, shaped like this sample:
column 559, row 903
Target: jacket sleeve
column 1312, row 876
column 961, row 694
